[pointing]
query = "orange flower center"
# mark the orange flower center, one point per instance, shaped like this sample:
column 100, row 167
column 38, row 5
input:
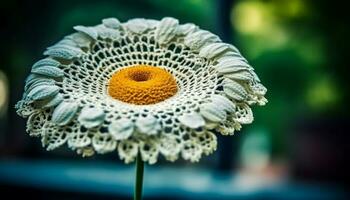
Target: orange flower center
column 142, row 85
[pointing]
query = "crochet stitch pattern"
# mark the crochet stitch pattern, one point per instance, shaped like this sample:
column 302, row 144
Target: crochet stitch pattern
column 143, row 86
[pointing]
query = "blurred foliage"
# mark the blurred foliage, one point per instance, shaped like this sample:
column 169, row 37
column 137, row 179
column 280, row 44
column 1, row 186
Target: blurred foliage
column 294, row 56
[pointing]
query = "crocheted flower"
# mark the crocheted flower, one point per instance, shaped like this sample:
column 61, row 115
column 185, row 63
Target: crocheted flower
column 143, row 86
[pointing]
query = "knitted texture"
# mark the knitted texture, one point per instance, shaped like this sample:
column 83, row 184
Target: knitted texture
column 143, row 86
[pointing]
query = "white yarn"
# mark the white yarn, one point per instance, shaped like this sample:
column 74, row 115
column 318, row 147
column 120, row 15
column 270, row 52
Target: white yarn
column 89, row 58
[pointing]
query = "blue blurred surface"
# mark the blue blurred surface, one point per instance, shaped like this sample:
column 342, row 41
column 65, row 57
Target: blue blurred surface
column 108, row 178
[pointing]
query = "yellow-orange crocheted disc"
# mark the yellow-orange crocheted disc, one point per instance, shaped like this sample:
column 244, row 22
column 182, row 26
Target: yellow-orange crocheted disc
column 142, row 85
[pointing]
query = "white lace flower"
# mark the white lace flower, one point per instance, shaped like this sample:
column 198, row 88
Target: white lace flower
column 143, row 86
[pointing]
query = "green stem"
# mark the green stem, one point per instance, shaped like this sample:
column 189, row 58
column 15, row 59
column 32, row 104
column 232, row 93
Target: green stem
column 139, row 178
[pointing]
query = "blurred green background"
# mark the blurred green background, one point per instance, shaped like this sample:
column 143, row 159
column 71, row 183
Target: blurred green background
column 299, row 49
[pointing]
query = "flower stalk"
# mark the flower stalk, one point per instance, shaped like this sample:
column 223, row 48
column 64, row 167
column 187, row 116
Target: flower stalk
column 139, row 178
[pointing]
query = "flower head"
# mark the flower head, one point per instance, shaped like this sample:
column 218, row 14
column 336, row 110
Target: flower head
column 143, row 86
